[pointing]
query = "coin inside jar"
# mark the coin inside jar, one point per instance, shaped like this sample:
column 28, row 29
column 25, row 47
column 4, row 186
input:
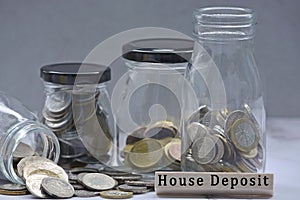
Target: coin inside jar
column 161, row 130
column 58, row 102
column 244, row 135
column 204, row 150
column 145, row 153
column 173, row 150
column 23, row 150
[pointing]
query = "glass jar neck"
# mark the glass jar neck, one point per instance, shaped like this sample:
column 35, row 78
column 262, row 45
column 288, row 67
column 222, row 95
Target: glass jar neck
column 224, row 24
column 52, row 87
column 9, row 142
column 148, row 67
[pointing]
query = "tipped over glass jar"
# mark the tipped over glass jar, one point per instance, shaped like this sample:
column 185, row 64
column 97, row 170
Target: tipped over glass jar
column 22, row 135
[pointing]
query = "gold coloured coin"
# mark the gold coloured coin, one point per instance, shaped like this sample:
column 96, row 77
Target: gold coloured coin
column 244, row 135
column 13, row 189
column 13, row 192
column 161, row 130
column 145, row 153
column 251, row 154
column 173, row 150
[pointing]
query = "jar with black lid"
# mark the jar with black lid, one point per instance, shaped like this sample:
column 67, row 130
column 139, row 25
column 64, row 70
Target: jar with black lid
column 77, row 109
column 147, row 104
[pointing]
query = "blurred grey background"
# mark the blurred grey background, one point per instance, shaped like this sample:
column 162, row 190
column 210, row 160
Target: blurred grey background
column 38, row 32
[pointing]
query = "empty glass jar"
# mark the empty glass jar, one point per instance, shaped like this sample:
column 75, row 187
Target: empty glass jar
column 22, row 135
column 224, row 126
column 147, row 103
column 77, row 109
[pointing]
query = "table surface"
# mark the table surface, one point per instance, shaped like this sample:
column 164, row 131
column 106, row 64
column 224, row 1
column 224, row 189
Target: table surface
column 283, row 147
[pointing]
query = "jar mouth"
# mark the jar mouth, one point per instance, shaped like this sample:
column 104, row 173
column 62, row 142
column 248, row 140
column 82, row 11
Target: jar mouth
column 224, row 23
column 27, row 129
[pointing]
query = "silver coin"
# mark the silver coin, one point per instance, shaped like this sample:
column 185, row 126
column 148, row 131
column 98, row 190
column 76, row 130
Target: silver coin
column 220, row 149
column 72, row 177
column 33, row 184
column 204, row 150
column 57, row 188
column 213, row 118
column 251, row 116
column 12, row 187
column 86, row 193
column 116, row 194
column 80, row 176
column 249, row 112
column 117, row 173
column 61, row 125
column 78, row 170
column 57, row 102
column 196, row 130
column 78, row 187
column 87, row 160
column 117, row 169
column 23, row 150
column 131, row 177
column 198, row 114
column 55, row 118
column 27, row 160
column 192, row 165
column 134, row 189
column 244, row 135
column 98, row 181
column 48, row 166
column 141, row 183
column 233, row 117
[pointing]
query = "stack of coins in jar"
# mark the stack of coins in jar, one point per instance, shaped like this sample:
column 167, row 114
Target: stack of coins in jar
column 75, row 111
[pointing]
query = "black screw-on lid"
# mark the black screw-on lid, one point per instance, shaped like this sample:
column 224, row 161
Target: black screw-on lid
column 66, row 73
column 159, row 50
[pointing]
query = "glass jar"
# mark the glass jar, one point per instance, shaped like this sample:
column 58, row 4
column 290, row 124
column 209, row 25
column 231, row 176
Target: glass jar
column 77, row 109
column 147, row 105
column 224, row 129
column 19, row 126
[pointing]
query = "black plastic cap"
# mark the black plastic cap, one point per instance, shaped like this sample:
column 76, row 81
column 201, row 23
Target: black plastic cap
column 159, row 50
column 67, row 73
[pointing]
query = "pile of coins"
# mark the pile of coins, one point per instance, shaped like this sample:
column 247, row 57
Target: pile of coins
column 58, row 114
column 44, row 179
column 154, row 147
column 223, row 141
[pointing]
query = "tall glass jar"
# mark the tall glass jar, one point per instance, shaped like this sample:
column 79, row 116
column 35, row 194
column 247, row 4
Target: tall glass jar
column 77, row 109
column 148, row 104
column 20, row 127
column 224, row 128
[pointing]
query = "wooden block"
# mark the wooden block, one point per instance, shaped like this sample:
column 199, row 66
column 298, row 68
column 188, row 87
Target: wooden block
column 216, row 184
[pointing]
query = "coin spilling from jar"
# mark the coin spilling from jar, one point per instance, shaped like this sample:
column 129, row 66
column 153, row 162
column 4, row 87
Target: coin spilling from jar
column 45, row 179
column 157, row 146
column 223, row 141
